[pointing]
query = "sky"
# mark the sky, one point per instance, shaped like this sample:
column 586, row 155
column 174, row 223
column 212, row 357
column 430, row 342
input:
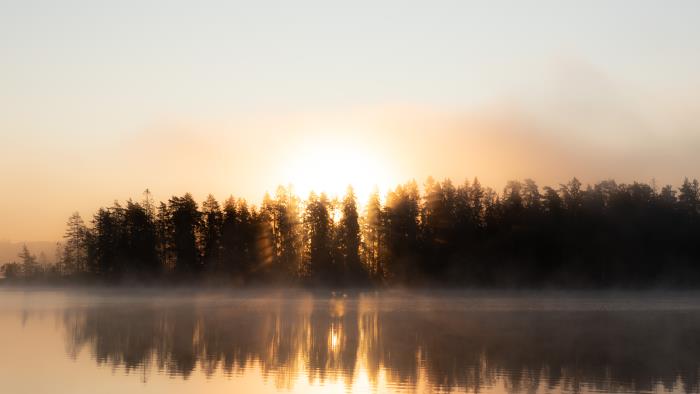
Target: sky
column 101, row 100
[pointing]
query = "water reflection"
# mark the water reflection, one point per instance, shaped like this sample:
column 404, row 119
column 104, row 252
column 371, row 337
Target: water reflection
column 437, row 343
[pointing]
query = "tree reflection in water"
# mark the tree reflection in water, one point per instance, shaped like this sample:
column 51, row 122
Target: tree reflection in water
column 442, row 341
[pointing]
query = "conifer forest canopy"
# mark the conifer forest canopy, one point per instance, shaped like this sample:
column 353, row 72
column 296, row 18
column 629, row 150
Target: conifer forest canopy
column 602, row 235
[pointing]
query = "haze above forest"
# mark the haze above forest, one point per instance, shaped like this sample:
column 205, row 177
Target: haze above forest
column 100, row 102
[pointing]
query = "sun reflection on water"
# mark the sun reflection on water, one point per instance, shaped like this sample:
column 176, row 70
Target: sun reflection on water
column 357, row 344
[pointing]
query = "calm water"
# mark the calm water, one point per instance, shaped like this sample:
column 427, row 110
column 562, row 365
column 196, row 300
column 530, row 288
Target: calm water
column 116, row 342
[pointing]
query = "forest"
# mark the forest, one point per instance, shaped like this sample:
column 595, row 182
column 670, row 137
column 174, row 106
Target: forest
column 572, row 236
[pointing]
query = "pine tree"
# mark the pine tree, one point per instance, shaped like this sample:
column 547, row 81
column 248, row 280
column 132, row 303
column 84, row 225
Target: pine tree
column 185, row 219
column 30, row 266
column 74, row 260
column 210, row 235
column 318, row 255
column 139, row 243
column 372, row 230
column 349, row 239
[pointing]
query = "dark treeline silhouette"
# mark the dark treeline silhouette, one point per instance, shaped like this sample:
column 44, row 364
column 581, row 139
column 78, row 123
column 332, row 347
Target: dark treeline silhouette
column 601, row 235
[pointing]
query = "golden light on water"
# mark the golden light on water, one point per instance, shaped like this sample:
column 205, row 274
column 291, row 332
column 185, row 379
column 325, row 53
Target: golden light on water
column 334, row 340
column 365, row 344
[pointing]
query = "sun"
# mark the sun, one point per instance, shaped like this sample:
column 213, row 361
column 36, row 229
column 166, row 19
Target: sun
column 331, row 165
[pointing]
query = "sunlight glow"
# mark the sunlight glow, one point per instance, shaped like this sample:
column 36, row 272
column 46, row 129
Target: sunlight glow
column 330, row 165
column 334, row 341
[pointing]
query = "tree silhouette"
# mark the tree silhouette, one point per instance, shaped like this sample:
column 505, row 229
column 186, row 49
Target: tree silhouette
column 601, row 235
column 104, row 251
column 318, row 265
column 372, row 231
column 12, row 271
column 210, row 235
column 402, row 232
column 30, row 266
column 74, row 261
column 140, row 244
column 282, row 232
column 185, row 220
column 689, row 197
column 238, row 239
column 348, row 235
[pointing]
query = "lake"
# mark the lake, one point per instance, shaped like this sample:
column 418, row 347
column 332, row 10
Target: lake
column 268, row 341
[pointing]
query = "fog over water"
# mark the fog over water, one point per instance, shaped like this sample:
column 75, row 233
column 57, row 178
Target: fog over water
column 297, row 341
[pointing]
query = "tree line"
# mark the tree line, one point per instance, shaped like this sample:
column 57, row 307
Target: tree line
column 600, row 235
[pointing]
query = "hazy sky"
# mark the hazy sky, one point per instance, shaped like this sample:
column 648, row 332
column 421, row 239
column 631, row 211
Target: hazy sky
column 100, row 100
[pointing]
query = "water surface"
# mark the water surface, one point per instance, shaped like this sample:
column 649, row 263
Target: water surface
column 109, row 341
